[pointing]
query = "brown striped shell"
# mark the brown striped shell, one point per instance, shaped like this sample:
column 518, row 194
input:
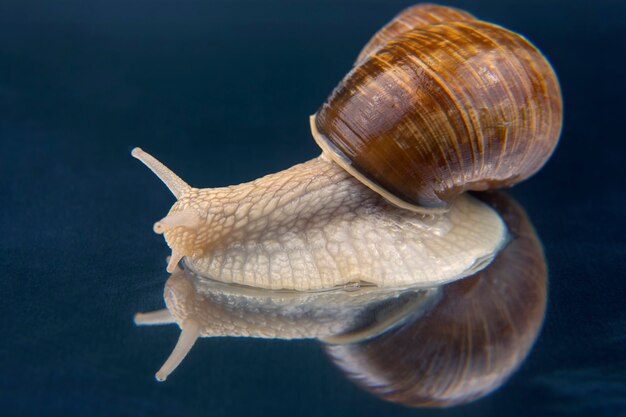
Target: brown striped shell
column 439, row 103
column 417, row 17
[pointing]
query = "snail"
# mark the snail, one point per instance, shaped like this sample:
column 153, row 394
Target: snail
column 438, row 103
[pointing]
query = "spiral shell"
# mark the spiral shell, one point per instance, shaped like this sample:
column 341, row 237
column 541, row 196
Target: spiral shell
column 448, row 105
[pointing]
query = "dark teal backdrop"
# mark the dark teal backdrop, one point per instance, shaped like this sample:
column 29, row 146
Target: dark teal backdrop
column 221, row 92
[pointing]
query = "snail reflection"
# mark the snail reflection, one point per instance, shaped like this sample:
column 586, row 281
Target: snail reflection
column 420, row 347
column 366, row 235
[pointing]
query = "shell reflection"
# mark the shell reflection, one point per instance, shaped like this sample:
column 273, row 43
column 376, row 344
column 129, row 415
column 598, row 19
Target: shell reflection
column 471, row 341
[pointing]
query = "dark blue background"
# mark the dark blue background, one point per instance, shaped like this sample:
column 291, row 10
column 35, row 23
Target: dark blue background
column 221, row 91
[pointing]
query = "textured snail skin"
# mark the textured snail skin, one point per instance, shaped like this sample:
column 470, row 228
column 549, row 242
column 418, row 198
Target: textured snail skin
column 314, row 226
column 442, row 108
column 468, row 343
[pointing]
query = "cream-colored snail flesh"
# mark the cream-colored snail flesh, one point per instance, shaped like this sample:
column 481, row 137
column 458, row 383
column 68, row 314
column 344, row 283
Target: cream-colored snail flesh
column 438, row 103
column 314, row 226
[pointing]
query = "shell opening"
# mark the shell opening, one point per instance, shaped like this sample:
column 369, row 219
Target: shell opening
column 332, row 153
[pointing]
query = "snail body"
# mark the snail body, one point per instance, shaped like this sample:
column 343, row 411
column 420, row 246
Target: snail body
column 437, row 103
column 314, row 226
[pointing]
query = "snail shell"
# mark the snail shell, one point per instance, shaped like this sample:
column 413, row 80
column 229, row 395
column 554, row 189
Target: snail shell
column 441, row 103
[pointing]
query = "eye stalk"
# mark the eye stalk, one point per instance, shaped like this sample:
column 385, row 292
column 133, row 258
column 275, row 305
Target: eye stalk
column 172, row 181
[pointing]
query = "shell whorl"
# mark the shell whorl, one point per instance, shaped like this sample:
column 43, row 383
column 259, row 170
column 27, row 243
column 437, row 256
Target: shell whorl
column 450, row 105
column 420, row 16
